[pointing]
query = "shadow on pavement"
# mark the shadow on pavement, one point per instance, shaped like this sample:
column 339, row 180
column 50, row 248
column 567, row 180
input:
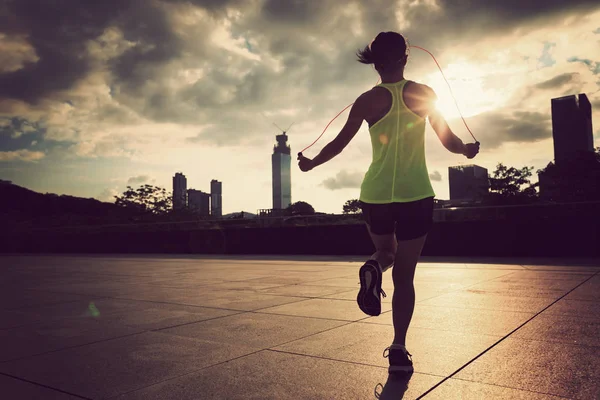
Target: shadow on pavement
column 394, row 388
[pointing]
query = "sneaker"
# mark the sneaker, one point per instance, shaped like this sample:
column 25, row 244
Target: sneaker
column 399, row 360
column 369, row 295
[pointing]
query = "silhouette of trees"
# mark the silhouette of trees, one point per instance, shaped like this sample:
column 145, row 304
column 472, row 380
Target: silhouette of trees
column 511, row 186
column 352, row 207
column 300, row 208
column 146, row 199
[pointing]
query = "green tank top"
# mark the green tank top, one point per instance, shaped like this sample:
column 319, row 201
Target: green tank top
column 398, row 172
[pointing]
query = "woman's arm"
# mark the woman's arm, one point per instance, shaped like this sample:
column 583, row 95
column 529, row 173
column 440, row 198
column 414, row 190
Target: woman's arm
column 335, row 147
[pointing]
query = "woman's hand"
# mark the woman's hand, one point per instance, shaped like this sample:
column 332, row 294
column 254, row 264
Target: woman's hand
column 471, row 150
column 305, row 164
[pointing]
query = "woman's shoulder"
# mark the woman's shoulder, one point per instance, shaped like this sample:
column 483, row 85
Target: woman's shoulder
column 417, row 87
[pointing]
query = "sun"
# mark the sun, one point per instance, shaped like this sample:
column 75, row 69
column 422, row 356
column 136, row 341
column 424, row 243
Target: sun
column 470, row 93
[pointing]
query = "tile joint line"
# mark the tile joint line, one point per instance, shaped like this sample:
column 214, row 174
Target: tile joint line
column 499, row 341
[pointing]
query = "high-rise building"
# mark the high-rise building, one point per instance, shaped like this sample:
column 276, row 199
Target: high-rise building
column 282, row 179
column 179, row 191
column 575, row 173
column 571, row 127
column 199, row 202
column 216, row 205
column 468, row 182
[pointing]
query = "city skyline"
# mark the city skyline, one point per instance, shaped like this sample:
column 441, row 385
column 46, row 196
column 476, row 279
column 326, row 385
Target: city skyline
column 191, row 91
column 204, row 203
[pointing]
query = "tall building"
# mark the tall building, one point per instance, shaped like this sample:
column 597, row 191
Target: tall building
column 575, row 173
column 282, row 179
column 216, row 205
column 468, row 182
column 179, row 191
column 571, row 127
column 199, row 202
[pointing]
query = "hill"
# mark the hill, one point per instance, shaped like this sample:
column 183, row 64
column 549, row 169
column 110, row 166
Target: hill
column 23, row 207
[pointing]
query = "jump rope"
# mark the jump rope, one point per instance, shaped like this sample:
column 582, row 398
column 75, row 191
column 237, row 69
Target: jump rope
column 350, row 105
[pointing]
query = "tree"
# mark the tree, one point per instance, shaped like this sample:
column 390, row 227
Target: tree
column 145, row 199
column 512, row 186
column 352, row 207
column 300, row 208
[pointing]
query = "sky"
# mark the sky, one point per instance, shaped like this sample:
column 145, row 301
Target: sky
column 96, row 96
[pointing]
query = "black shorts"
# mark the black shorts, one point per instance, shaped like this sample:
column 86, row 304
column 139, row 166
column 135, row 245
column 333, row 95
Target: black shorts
column 407, row 220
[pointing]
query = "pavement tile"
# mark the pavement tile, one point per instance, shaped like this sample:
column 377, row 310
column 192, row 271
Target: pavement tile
column 551, row 290
column 57, row 334
column 91, row 306
column 348, row 282
column 254, row 329
column 228, row 299
column 14, row 319
column 590, row 290
column 97, row 289
column 350, row 296
column 584, row 308
column 261, row 327
column 14, row 299
column 323, row 308
column 489, row 301
column 575, row 329
column 457, row 389
column 112, row 367
column 186, row 282
column 251, row 285
column 565, row 268
column 423, row 291
column 563, row 275
column 13, row 389
column 433, row 352
column 280, row 376
column 459, row 276
column 303, row 290
column 555, row 368
column 465, row 320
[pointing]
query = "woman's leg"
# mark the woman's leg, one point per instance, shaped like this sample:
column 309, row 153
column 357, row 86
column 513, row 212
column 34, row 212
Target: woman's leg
column 403, row 273
column 381, row 227
column 385, row 249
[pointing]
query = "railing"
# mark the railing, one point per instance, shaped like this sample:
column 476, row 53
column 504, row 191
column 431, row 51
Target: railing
column 524, row 212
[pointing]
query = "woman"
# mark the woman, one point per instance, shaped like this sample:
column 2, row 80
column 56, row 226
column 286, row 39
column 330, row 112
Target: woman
column 396, row 194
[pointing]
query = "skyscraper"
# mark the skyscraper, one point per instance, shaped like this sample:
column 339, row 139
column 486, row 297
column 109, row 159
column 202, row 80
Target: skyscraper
column 179, row 191
column 575, row 174
column 468, row 182
column 282, row 179
column 216, row 206
column 199, row 202
column 571, row 127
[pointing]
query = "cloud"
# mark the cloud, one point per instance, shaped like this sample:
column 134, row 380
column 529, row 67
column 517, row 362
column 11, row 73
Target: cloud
column 558, row 81
column 107, row 195
column 21, row 155
column 436, row 176
column 138, row 180
column 217, row 63
column 162, row 81
column 344, row 180
column 499, row 127
column 15, row 53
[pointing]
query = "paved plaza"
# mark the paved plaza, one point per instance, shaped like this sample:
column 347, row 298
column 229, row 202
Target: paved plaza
column 144, row 327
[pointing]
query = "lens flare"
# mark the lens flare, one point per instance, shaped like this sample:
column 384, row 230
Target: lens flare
column 94, row 312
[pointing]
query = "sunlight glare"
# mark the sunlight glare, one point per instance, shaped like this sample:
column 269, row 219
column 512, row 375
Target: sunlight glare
column 468, row 86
